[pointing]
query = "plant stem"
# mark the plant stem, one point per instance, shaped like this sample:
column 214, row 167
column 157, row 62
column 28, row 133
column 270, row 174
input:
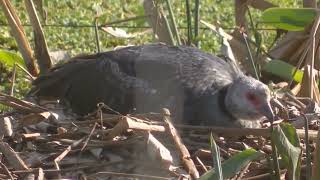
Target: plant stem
column 97, row 34
column 275, row 155
column 14, row 72
column 189, row 27
column 256, row 36
column 169, row 30
column 196, row 22
column 250, row 56
column 308, row 152
column 175, row 29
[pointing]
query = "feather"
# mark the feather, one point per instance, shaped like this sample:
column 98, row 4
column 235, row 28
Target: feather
column 191, row 83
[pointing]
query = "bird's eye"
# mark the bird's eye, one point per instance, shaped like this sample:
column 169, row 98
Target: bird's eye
column 252, row 98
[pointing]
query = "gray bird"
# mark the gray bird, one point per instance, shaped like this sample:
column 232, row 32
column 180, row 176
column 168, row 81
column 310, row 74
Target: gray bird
column 197, row 87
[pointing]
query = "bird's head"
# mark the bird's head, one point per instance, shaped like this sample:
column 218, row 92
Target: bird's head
column 249, row 99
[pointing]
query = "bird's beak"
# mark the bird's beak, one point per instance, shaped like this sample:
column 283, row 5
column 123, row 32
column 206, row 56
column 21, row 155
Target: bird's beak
column 266, row 110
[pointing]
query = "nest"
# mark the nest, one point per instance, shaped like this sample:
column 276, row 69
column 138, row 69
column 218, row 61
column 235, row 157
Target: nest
column 47, row 140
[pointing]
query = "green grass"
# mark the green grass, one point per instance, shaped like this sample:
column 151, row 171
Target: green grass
column 82, row 12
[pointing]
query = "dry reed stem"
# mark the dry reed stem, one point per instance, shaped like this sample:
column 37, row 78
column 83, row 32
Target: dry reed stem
column 183, row 151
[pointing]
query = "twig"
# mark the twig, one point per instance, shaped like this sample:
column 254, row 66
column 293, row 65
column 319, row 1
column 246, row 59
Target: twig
column 129, row 123
column 24, row 70
column 65, row 152
column 20, row 104
column 263, row 176
column 238, row 132
column 243, row 171
column 294, row 99
column 6, row 170
column 88, row 139
column 110, row 143
column 100, row 107
column 13, row 158
column 106, row 164
column 183, row 151
column 201, row 164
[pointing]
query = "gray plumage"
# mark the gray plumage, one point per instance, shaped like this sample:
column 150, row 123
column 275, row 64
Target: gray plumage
column 197, row 87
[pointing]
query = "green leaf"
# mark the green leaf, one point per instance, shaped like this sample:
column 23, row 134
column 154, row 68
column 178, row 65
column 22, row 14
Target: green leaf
column 216, row 161
column 291, row 19
column 283, row 70
column 9, row 58
column 287, row 143
column 290, row 133
column 234, row 164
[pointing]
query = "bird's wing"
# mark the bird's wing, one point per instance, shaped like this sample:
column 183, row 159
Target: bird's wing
column 188, row 68
column 84, row 82
column 149, row 74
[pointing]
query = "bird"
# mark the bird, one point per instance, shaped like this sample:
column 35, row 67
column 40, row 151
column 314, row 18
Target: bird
column 198, row 87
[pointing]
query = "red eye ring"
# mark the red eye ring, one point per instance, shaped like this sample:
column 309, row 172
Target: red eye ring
column 253, row 99
column 251, row 96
